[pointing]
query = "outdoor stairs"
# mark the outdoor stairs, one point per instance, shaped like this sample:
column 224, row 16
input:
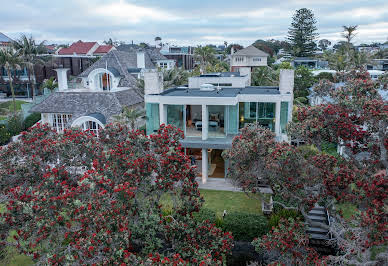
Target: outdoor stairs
column 319, row 236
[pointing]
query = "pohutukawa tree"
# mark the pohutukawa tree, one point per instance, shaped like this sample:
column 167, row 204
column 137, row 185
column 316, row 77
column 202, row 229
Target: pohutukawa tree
column 75, row 198
column 356, row 119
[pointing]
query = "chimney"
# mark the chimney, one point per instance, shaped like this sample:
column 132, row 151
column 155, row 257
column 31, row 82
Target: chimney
column 286, row 81
column 153, row 82
column 246, row 71
column 140, row 60
column 62, row 78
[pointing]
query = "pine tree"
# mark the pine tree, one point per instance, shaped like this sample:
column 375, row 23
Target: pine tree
column 302, row 33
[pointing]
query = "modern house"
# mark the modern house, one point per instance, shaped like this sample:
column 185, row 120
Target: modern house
column 182, row 55
column 211, row 115
column 100, row 92
column 220, row 79
column 308, row 62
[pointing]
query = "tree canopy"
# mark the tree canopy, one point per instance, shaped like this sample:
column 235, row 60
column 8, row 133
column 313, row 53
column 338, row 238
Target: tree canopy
column 302, row 33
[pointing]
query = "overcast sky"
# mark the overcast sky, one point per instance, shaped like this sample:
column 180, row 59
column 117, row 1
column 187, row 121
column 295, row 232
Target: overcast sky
column 185, row 22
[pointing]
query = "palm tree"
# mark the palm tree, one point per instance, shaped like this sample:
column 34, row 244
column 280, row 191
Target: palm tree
column 50, row 84
column 349, row 33
column 174, row 77
column 130, row 116
column 10, row 60
column 29, row 51
column 205, row 55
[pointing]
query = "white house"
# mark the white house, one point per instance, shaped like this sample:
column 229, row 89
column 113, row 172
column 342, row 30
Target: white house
column 211, row 116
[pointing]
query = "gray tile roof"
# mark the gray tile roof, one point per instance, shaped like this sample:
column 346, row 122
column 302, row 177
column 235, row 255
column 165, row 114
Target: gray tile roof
column 121, row 61
column 251, row 51
column 84, row 103
column 153, row 52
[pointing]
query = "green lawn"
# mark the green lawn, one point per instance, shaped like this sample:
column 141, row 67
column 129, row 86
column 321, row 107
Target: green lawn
column 348, row 210
column 230, row 201
column 9, row 106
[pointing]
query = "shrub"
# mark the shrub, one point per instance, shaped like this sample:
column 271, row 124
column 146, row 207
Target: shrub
column 205, row 214
column 4, row 135
column 15, row 125
column 282, row 213
column 245, row 226
column 325, row 75
column 31, row 120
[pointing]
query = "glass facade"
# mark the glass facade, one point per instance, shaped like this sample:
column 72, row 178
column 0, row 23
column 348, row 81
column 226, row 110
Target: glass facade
column 283, row 116
column 175, row 115
column 232, row 115
column 262, row 113
column 152, row 113
column 216, row 127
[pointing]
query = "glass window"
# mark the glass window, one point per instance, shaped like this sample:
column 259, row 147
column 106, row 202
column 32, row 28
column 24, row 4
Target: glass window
column 263, row 113
column 175, row 115
column 216, row 126
column 60, row 121
column 232, row 126
column 92, row 127
column 283, row 116
column 153, row 119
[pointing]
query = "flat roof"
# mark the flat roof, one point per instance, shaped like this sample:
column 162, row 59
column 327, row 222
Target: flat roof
column 220, row 74
column 222, row 92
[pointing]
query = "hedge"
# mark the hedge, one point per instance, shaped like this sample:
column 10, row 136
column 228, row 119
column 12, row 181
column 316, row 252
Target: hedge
column 31, row 120
column 245, row 226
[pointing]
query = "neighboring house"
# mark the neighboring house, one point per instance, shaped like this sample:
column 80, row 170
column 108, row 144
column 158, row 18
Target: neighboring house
column 5, row 41
column 245, row 60
column 182, row 55
column 100, row 93
column 379, row 64
column 80, row 55
column 211, row 116
column 151, row 53
column 308, row 62
column 220, row 79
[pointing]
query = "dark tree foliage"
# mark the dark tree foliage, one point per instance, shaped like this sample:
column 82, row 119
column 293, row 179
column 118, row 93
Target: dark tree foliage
column 303, row 33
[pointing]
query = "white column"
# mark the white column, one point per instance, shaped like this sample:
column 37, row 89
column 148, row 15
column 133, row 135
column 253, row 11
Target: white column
column 277, row 119
column 62, row 78
column 205, row 122
column 204, row 165
column 163, row 113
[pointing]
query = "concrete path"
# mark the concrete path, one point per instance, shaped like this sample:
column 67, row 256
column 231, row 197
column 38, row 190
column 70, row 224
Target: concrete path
column 217, row 184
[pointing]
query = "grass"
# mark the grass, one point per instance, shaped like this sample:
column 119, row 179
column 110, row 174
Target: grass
column 9, row 107
column 230, row 201
column 348, row 210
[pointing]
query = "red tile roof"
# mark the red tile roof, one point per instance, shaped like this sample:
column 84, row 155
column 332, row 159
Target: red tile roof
column 103, row 49
column 79, row 47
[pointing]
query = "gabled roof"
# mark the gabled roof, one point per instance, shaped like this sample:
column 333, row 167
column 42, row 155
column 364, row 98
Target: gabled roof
column 121, row 61
column 79, row 47
column 5, row 38
column 251, row 51
column 85, row 103
column 103, row 49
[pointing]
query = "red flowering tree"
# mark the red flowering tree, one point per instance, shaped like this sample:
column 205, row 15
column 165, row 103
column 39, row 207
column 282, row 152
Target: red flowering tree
column 356, row 118
column 75, row 198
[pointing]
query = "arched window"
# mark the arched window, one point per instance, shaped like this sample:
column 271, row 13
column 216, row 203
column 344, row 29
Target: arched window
column 91, row 126
column 104, row 81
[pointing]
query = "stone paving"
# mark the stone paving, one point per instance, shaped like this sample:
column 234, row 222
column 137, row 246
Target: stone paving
column 217, row 184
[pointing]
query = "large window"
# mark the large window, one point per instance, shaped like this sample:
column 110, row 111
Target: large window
column 152, row 113
column 216, row 127
column 175, row 115
column 59, row 121
column 262, row 113
column 194, row 121
column 283, row 116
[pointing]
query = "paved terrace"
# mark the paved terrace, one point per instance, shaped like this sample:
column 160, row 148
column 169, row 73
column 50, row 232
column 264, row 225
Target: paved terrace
column 217, row 184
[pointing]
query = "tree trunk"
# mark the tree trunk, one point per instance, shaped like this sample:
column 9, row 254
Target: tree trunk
column 29, row 81
column 12, row 91
column 33, row 82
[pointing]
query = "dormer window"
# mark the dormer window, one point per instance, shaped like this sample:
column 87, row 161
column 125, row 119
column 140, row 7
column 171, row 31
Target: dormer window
column 104, row 81
column 256, row 59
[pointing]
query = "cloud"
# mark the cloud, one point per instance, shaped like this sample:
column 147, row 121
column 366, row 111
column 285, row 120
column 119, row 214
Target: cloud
column 187, row 22
column 125, row 12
